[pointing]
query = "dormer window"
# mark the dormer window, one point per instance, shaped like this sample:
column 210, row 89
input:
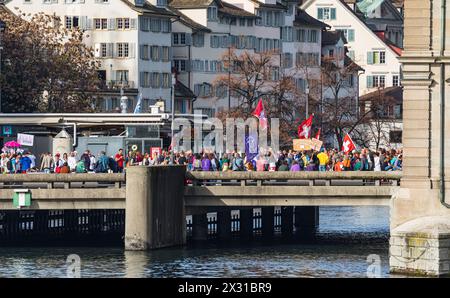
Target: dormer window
column 212, row 13
column 161, row 3
column 139, row 2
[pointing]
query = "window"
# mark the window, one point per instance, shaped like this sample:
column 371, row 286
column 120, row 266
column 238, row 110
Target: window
column 349, row 34
column 312, row 36
column 165, row 54
column 104, row 50
column 154, row 53
column 180, row 65
column 101, row 24
column 300, row 84
column 249, row 22
column 144, row 50
column 351, row 54
column 198, row 40
column 290, row 10
column 179, row 38
column 71, row 22
column 331, row 53
column 376, row 57
column 395, row 80
column 155, row 25
column 326, row 13
column 301, row 35
column 377, row 81
column 166, row 25
column 287, row 34
column 145, row 79
column 166, row 80
column 275, row 74
column 123, row 50
column 122, row 75
column 287, row 60
column 161, row 3
column 395, row 136
column 212, row 13
column 156, row 80
column 122, row 23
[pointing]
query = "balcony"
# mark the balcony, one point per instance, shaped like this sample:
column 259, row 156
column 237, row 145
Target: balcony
column 117, row 85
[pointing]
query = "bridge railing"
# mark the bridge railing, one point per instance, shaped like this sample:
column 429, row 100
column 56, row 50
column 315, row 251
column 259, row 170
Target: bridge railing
column 67, row 181
column 294, row 178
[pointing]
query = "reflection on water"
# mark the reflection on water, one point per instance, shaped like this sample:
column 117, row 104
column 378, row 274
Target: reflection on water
column 323, row 259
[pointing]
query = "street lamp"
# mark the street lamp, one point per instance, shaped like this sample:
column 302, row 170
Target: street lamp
column 2, row 28
column 174, row 81
column 307, row 99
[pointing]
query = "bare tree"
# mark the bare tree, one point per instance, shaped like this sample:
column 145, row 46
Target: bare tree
column 257, row 76
column 374, row 129
column 339, row 110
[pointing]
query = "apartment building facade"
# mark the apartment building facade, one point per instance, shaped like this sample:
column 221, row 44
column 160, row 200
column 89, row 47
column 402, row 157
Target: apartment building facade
column 373, row 52
column 208, row 30
column 131, row 39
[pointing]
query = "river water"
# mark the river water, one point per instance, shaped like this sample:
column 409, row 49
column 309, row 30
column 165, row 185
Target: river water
column 352, row 240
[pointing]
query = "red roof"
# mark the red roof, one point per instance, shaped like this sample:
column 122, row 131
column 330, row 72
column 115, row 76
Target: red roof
column 389, row 43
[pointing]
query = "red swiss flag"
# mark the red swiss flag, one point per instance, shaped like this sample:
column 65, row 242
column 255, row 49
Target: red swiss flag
column 347, row 144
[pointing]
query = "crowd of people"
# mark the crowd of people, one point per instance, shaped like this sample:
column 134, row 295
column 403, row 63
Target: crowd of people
column 323, row 160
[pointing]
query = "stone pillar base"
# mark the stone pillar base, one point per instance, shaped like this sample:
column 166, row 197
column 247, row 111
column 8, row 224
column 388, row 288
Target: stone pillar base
column 421, row 247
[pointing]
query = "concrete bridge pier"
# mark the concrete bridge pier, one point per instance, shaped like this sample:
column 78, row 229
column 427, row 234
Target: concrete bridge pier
column 287, row 222
column 154, row 215
column 246, row 224
column 200, row 227
column 224, row 225
column 267, row 214
column 306, row 222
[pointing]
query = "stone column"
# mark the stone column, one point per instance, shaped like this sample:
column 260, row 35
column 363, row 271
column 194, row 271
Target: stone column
column 154, row 215
column 306, row 222
column 246, row 224
column 420, row 224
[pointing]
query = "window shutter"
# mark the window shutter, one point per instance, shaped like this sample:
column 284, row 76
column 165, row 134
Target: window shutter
column 333, row 13
column 187, row 65
column 351, row 34
column 97, row 50
column 141, row 52
column 131, row 50
column 84, row 22
column 161, row 53
column 188, row 39
column 111, row 24
column 369, row 81
column 110, row 50
column 320, row 13
column 369, row 58
column 141, row 79
column 133, row 23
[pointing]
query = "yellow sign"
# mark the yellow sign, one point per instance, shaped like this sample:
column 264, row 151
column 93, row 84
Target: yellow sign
column 303, row 144
column 307, row 144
